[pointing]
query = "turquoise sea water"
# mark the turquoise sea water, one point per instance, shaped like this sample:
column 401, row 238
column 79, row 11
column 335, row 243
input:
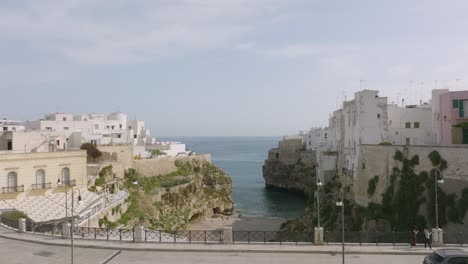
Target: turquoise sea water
column 242, row 158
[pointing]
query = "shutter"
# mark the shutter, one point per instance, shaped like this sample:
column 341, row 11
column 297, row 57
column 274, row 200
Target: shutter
column 460, row 109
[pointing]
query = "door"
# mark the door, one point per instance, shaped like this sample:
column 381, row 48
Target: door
column 9, row 145
column 12, row 181
column 465, row 136
column 40, row 179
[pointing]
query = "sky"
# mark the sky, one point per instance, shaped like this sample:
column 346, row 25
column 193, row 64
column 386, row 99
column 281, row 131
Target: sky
column 224, row 67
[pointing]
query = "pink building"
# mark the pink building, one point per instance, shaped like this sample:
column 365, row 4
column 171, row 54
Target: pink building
column 451, row 116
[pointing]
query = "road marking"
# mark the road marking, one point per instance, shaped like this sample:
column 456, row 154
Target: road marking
column 111, row 257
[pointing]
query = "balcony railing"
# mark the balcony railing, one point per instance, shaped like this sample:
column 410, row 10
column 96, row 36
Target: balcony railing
column 41, row 186
column 13, row 189
column 69, row 183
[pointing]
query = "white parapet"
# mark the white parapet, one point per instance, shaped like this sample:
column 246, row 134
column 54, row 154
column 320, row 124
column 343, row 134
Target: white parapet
column 66, row 229
column 318, row 235
column 139, row 234
column 227, row 235
column 437, row 237
column 22, row 225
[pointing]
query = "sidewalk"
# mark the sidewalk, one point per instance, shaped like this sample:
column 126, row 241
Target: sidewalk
column 245, row 248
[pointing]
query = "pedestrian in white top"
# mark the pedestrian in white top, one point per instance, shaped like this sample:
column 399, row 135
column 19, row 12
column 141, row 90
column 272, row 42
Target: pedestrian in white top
column 427, row 236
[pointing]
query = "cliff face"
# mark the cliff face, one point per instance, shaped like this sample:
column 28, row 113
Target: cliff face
column 197, row 189
column 207, row 194
column 297, row 176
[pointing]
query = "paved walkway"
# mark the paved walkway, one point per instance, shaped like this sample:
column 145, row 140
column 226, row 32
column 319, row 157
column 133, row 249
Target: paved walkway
column 184, row 247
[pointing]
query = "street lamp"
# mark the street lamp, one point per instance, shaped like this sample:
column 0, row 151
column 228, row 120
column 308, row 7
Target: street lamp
column 437, row 180
column 78, row 203
column 319, row 186
column 138, row 202
column 340, row 203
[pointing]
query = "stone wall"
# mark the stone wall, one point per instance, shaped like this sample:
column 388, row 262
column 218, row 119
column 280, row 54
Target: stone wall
column 161, row 166
column 377, row 160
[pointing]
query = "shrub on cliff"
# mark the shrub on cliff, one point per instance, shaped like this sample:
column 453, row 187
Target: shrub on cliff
column 91, row 150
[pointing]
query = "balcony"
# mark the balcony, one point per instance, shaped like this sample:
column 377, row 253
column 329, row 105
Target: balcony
column 69, row 183
column 42, row 186
column 13, row 189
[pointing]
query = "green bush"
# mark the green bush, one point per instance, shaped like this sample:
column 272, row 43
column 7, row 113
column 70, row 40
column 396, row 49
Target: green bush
column 372, row 185
column 385, row 143
column 14, row 215
column 91, row 150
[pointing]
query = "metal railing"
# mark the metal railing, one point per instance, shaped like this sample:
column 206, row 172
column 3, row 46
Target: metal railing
column 238, row 237
column 41, row 186
column 13, row 223
column 13, row 189
column 69, row 183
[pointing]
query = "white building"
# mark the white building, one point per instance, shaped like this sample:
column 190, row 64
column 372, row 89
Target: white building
column 100, row 129
column 410, row 125
column 363, row 120
column 316, row 138
column 169, row 149
column 11, row 125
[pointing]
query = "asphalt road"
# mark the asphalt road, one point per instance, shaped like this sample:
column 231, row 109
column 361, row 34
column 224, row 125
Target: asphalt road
column 16, row 252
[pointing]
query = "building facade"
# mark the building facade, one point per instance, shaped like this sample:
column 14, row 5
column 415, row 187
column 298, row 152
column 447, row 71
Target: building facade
column 30, row 174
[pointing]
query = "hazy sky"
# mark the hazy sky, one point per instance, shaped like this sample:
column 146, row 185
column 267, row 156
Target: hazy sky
column 224, row 67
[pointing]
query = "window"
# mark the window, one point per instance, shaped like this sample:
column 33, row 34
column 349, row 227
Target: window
column 40, row 179
column 363, row 165
column 112, row 127
column 58, row 142
column 455, row 103
column 48, row 128
column 458, row 260
column 277, row 155
column 5, row 128
column 65, row 176
column 119, row 136
column 135, row 136
column 416, row 124
column 378, row 115
column 12, row 179
column 408, row 141
column 64, row 118
column 129, row 127
column 408, row 125
column 65, row 128
column 120, row 126
column 396, row 133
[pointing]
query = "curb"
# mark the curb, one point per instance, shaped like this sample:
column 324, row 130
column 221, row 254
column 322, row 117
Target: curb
column 122, row 247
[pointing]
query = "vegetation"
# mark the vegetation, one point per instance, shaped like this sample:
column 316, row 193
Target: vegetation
column 462, row 125
column 92, row 151
column 372, row 185
column 156, row 153
column 105, row 223
column 385, row 143
column 14, row 215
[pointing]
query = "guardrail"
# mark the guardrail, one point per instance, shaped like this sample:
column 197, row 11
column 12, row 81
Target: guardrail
column 13, row 189
column 41, row 186
column 220, row 236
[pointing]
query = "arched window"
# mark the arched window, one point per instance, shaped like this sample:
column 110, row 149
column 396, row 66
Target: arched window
column 66, row 176
column 12, row 179
column 40, row 179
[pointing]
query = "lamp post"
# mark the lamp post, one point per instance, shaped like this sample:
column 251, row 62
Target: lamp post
column 72, row 208
column 437, row 180
column 138, row 202
column 341, row 204
column 319, row 186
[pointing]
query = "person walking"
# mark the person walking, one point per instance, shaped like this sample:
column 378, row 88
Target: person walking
column 414, row 234
column 427, row 236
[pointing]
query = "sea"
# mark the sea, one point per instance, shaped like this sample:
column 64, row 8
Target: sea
column 242, row 158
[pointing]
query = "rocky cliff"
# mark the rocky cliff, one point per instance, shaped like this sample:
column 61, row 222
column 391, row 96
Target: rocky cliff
column 296, row 176
column 197, row 189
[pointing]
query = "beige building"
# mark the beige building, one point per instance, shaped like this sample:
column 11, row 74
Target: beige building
column 30, row 174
